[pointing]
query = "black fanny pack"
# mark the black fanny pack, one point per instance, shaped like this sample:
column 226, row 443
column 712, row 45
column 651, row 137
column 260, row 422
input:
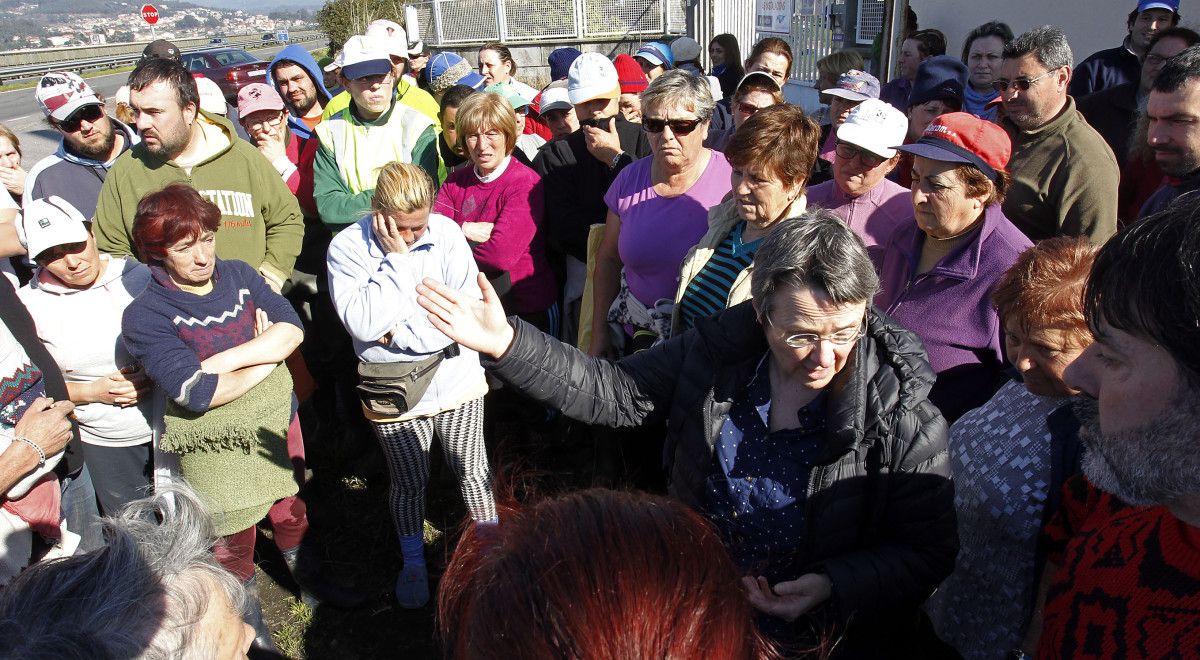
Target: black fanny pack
column 391, row 389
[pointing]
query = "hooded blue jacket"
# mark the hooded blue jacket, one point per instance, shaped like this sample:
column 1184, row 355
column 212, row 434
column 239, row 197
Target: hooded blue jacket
column 298, row 55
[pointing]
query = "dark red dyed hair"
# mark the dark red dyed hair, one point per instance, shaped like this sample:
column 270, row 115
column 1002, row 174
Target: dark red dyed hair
column 170, row 215
column 597, row 574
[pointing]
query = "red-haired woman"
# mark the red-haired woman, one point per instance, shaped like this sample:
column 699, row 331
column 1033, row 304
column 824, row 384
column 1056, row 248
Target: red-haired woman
column 212, row 335
column 571, row 577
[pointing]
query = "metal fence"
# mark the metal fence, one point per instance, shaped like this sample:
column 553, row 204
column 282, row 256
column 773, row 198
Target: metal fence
column 464, row 22
column 870, row 21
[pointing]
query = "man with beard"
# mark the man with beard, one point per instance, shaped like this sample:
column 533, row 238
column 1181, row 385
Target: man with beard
column 91, row 142
column 261, row 223
column 298, row 80
column 1173, row 128
column 1129, row 585
column 1064, row 176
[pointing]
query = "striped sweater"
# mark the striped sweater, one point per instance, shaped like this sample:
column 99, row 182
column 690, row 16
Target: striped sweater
column 171, row 331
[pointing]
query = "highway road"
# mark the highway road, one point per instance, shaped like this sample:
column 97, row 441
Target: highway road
column 19, row 110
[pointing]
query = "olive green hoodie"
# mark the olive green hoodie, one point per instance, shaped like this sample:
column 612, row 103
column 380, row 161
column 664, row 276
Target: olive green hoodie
column 261, row 222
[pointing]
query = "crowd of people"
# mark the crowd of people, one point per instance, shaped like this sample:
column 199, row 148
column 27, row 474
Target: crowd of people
column 886, row 369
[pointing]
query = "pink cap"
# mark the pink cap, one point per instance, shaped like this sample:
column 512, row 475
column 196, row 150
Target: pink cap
column 258, row 96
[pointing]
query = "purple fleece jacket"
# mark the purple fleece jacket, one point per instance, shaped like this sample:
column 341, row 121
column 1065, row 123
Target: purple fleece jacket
column 513, row 203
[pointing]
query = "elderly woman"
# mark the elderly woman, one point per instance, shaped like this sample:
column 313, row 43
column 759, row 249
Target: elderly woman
column 657, row 210
column 213, row 335
column 860, row 192
column 497, row 67
column 1008, row 476
column 797, row 423
column 982, row 52
column 771, row 156
column 72, row 282
column 414, row 381
column 938, row 272
column 498, row 203
column 755, row 92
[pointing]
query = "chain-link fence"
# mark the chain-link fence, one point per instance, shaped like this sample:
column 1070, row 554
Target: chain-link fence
column 464, row 22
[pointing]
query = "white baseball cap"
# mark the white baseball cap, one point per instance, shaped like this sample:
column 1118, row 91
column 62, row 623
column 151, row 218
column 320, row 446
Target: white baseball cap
column 555, row 97
column 61, row 93
column 211, row 98
column 50, row 222
column 592, row 76
column 876, row 126
column 391, row 35
column 363, row 56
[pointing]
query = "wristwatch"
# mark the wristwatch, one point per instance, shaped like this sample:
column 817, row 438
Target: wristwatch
column 616, row 159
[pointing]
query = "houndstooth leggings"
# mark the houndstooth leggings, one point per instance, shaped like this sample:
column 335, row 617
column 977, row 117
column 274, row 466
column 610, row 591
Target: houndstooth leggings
column 406, row 445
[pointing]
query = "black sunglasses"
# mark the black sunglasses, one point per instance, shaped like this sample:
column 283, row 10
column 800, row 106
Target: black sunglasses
column 850, row 152
column 600, row 122
column 678, row 126
column 1021, row 84
column 90, row 114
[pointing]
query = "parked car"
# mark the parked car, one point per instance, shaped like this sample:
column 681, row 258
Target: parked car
column 268, row 38
column 231, row 68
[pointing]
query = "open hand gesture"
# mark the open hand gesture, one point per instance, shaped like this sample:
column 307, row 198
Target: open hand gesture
column 788, row 600
column 477, row 324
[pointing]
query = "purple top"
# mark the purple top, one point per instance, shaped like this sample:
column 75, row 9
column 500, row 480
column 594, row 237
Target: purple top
column 950, row 308
column 513, row 203
column 874, row 216
column 657, row 232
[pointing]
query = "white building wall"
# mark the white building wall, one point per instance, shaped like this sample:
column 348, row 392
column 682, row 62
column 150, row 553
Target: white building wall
column 1090, row 25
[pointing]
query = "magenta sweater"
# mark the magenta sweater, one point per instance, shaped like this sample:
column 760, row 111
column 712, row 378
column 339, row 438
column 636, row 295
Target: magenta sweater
column 513, row 203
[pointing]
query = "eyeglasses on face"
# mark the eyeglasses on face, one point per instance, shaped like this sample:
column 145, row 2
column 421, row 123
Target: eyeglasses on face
column 1021, row 84
column 679, row 127
column 749, row 109
column 839, row 338
column 90, row 113
column 850, row 152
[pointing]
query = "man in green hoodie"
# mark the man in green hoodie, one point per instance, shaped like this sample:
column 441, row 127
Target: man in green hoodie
column 261, row 222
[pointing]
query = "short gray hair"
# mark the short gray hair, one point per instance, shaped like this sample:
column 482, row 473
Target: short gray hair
column 139, row 596
column 1047, row 44
column 816, row 250
column 679, row 89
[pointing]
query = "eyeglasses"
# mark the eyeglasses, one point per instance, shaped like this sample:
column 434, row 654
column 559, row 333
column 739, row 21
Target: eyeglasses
column 679, row 127
column 749, row 110
column 273, row 121
column 850, row 152
column 598, row 122
column 839, row 338
column 90, row 114
column 1021, row 84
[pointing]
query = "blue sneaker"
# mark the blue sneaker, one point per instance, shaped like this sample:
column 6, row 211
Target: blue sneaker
column 412, row 587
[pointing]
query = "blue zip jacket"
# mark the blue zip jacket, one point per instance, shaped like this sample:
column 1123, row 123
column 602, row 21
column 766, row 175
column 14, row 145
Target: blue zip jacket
column 298, row 55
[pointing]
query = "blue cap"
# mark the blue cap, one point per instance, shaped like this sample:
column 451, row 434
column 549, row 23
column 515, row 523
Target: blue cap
column 657, row 53
column 560, row 60
column 1169, row 5
column 940, row 78
column 446, row 70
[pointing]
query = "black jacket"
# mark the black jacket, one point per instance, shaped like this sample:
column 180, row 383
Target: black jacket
column 1113, row 113
column 575, row 183
column 880, row 508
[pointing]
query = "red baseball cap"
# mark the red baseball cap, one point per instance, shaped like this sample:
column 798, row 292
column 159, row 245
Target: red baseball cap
column 960, row 137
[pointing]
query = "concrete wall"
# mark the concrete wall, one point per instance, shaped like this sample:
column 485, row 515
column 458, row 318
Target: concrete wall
column 1090, row 25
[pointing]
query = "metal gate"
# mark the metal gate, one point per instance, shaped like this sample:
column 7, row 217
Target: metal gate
column 465, row 22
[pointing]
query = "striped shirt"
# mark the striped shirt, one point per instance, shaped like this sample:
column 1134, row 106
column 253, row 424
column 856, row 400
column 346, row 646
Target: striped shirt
column 708, row 293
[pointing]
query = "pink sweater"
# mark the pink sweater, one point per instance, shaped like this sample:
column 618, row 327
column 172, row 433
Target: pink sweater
column 513, row 204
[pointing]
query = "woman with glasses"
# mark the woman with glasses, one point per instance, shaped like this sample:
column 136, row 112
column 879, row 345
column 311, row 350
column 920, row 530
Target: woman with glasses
column 797, row 423
column 755, row 92
column 657, row 210
column 771, row 156
column 938, row 272
column 860, row 191
column 263, row 115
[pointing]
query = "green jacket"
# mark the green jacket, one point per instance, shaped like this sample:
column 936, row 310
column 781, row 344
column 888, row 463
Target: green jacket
column 1064, row 180
column 352, row 152
column 261, row 222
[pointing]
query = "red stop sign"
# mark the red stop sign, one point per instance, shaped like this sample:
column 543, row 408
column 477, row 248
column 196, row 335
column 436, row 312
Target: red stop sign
column 150, row 14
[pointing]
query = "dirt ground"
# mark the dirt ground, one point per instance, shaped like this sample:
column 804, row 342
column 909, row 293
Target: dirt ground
column 353, row 534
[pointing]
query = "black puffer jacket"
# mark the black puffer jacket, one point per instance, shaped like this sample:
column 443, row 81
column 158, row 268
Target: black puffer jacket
column 880, row 507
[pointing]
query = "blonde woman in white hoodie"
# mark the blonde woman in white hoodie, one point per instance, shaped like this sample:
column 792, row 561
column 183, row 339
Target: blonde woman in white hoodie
column 76, row 299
